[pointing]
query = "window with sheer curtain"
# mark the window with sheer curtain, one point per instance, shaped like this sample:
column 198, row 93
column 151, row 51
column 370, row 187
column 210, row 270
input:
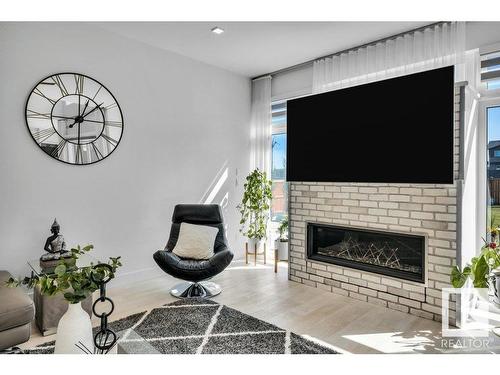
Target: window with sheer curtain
column 435, row 46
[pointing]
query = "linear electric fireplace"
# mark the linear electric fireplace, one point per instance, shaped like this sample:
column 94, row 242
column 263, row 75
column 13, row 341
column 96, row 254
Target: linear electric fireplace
column 387, row 253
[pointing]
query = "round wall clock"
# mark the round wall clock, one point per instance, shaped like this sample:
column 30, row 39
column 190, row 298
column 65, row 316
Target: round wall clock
column 74, row 118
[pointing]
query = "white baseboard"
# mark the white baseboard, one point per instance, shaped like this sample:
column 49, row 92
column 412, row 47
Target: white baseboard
column 122, row 279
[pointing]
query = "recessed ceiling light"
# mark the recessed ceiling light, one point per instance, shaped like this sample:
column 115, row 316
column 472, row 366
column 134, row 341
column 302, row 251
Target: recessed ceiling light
column 217, row 30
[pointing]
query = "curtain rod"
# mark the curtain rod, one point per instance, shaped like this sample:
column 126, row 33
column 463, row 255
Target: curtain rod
column 296, row 66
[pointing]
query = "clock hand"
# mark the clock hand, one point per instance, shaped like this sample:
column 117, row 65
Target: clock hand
column 84, row 108
column 79, row 115
column 87, row 120
column 64, row 117
column 93, row 109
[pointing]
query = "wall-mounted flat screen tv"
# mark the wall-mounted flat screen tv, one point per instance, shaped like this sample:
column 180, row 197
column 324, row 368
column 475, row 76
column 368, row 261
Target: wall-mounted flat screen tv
column 398, row 130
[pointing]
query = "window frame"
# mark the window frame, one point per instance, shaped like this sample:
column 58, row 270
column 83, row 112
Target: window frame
column 484, row 52
column 483, row 203
column 282, row 128
column 272, row 158
column 277, row 130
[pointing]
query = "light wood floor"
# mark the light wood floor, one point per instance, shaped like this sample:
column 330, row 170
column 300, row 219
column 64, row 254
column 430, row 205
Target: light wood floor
column 350, row 325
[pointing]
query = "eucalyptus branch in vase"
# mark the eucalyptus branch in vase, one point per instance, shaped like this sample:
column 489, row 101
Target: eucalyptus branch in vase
column 75, row 283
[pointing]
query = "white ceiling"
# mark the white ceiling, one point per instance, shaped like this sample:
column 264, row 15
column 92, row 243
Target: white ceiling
column 255, row 48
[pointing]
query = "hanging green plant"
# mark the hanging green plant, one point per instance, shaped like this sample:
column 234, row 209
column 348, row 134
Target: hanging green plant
column 255, row 205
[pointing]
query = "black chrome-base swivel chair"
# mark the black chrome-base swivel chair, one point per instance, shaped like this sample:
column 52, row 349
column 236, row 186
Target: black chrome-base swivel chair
column 195, row 273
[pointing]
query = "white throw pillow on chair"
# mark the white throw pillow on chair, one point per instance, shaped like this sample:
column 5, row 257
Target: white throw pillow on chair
column 195, row 241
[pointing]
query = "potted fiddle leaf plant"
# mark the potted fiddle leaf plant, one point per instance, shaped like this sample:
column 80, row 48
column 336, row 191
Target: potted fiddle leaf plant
column 478, row 277
column 478, row 271
column 75, row 283
column 282, row 241
column 254, row 208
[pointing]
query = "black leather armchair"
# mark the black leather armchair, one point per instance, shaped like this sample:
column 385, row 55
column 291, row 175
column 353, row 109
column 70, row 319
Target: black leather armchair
column 195, row 272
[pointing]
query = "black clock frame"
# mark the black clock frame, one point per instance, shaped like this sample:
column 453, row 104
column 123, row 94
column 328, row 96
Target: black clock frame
column 49, row 155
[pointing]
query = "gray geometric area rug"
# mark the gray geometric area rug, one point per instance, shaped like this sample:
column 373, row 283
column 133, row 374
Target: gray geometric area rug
column 200, row 326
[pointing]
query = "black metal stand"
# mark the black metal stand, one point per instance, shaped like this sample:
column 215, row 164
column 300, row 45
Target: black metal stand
column 105, row 339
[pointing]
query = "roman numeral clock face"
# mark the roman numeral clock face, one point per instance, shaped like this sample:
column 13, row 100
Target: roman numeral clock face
column 74, row 118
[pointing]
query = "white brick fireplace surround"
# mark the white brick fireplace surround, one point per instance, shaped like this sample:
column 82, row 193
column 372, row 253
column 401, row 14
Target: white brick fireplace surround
column 430, row 210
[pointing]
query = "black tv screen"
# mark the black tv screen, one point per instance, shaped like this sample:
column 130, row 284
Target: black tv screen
column 398, row 130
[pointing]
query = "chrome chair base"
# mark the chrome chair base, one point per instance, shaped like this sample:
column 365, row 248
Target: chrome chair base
column 202, row 289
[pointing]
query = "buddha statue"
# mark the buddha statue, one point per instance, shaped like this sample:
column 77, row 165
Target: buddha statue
column 55, row 244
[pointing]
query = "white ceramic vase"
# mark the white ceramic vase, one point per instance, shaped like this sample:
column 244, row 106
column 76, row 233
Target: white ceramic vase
column 74, row 326
column 251, row 245
column 282, row 250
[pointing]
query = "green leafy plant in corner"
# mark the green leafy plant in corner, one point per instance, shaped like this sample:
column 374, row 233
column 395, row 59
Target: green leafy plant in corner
column 283, row 229
column 479, row 268
column 255, row 204
column 75, row 283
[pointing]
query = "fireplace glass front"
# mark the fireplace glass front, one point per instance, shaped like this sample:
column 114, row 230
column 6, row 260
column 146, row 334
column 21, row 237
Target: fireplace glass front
column 387, row 253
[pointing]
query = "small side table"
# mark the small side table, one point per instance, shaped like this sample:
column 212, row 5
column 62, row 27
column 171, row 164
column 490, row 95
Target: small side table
column 49, row 309
column 255, row 253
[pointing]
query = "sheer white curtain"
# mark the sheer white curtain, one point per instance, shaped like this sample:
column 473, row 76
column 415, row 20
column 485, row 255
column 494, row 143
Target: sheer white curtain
column 433, row 47
column 260, row 126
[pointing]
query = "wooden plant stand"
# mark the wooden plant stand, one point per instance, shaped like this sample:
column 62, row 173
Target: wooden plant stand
column 255, row 253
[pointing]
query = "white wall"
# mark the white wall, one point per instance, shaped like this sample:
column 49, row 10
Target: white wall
column 184, row 123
